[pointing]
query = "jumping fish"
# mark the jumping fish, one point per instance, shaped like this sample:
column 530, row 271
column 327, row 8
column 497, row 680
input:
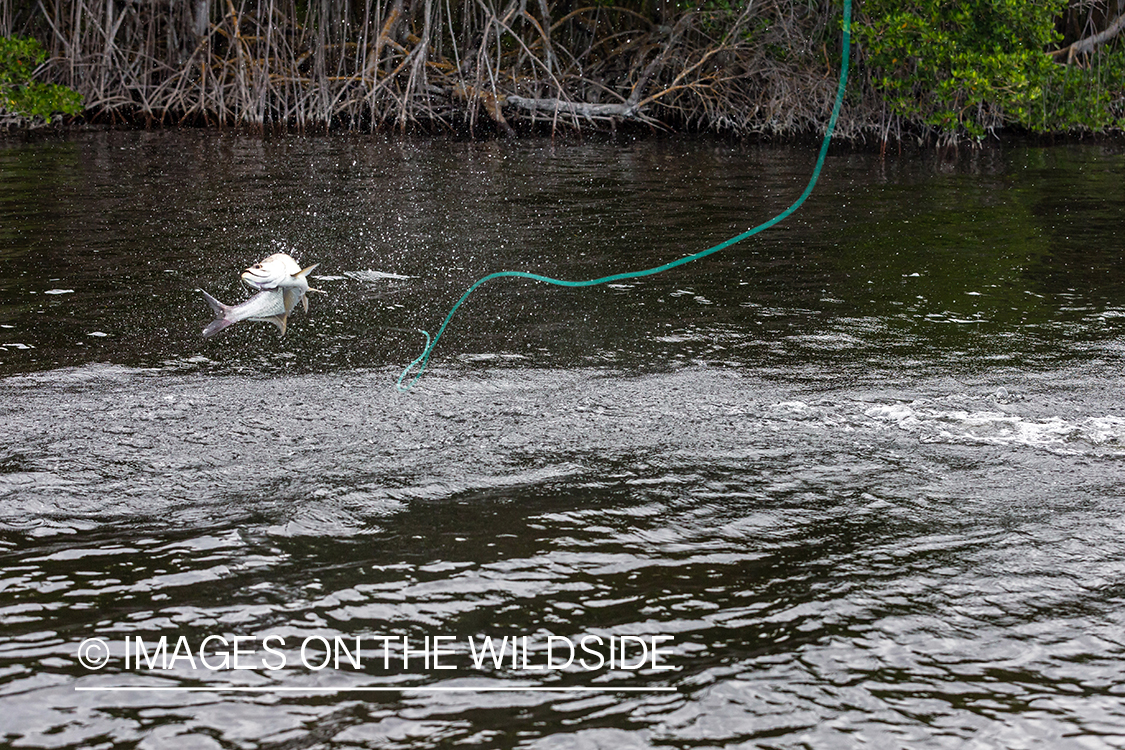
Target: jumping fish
column 273, row 304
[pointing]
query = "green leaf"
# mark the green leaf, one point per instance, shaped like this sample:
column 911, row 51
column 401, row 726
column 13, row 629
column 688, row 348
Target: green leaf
column 20, row 94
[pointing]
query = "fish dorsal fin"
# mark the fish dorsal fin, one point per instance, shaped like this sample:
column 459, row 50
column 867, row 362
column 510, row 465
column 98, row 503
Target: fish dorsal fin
column 305, row 271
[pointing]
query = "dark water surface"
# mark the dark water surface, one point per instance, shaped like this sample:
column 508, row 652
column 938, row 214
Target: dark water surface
column 862, row 474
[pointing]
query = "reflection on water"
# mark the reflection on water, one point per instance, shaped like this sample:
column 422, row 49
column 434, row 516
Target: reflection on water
column 1001, row 256
column 865, row 469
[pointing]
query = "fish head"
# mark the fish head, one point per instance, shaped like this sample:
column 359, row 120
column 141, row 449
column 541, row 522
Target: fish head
column 271, row 272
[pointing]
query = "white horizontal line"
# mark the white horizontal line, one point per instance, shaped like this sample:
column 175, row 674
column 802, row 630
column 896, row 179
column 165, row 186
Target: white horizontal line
column 368, row 689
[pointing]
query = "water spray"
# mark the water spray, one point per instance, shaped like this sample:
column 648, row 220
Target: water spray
column 407, row 380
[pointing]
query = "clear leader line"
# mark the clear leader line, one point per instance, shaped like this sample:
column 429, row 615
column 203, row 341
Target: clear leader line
column 418, row 366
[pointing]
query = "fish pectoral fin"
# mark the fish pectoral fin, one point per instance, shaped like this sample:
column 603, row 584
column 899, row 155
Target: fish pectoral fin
column 305, row 271
column 318, row 291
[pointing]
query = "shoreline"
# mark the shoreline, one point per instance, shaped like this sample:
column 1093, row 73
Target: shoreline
column 909, row 142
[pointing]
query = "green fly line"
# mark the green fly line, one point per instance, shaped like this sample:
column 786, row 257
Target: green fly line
column 418, row 366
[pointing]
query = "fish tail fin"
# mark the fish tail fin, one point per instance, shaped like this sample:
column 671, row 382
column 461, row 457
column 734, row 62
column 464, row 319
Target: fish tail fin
column 214, row 327
column 221, row 320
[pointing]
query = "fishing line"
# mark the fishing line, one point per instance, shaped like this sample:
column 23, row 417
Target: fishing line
column 419, row 365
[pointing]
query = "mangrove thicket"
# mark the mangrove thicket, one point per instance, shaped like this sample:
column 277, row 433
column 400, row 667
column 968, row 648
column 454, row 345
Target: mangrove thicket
column 921, row 67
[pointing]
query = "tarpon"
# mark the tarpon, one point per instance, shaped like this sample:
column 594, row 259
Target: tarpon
column 279, row 292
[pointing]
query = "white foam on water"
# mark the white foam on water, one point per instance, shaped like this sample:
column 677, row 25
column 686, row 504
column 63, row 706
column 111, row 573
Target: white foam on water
column 987, row 427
